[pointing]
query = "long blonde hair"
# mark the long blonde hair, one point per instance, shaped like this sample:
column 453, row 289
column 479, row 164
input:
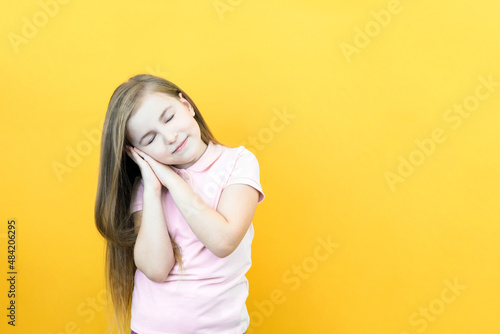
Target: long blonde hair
column 117, row 172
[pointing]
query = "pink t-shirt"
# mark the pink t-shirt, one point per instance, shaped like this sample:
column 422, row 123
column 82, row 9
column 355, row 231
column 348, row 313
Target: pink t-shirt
column 209, row 297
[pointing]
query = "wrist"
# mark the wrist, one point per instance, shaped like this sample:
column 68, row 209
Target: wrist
column 152, row 190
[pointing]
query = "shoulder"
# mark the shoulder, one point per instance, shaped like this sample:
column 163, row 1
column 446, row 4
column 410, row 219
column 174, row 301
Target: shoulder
column 242, row 168
column 239, row 152
column 238, row 159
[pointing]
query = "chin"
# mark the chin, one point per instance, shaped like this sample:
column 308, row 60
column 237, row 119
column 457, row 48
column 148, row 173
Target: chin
column 166, row 162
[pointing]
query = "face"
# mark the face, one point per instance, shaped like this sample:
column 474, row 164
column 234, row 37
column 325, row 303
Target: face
column 164, row 128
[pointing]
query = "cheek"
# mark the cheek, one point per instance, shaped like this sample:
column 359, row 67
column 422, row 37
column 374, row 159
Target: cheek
column 193, row 126
column 156, row 154
column 159, row 153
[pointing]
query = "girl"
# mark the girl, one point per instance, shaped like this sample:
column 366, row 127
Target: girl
column 175, row 207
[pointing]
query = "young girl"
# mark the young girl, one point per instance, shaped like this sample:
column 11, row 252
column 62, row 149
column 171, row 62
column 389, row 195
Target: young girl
column 176, row 209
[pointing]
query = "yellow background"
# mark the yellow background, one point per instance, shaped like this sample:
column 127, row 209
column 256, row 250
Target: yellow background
column 352, row 118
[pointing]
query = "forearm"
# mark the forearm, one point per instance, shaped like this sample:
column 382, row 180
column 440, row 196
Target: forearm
column 153, row 253
column 209, row 226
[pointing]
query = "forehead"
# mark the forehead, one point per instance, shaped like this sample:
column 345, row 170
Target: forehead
column 150, row 108
column 153, row 101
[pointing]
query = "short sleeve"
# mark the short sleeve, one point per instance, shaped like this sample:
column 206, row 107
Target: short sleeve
column 246, row 171
column 137, row 191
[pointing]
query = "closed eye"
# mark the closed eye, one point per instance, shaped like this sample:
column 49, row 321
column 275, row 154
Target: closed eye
column 165, row 123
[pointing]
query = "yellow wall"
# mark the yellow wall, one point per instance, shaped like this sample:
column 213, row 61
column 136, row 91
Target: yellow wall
column 373, row 121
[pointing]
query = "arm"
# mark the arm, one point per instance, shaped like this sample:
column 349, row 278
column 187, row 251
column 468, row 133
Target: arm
column 220, row 231
column 153, row 252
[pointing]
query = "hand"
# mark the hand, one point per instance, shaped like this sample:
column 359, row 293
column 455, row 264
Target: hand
column 148, row 176
column 163, row 173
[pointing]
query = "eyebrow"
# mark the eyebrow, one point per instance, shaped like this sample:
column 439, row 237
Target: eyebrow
column 159, row 119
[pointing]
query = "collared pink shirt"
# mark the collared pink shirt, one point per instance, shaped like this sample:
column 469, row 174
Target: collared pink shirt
column 209, row 296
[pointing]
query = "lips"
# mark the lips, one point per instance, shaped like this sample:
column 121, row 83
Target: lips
column 181, row 146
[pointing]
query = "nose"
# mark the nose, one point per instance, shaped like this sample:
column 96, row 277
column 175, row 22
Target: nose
column 170, row 137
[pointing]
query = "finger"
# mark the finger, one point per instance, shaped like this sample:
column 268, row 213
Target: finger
column 136, row 157
column 139, row 159
column 143, row 155
column 136, row 154
column 131, row 156
column 136, row 150
column 128, row 150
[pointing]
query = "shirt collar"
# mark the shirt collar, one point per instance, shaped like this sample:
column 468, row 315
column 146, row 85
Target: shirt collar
column 208, row 157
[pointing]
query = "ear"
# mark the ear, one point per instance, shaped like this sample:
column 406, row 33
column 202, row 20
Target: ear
column 186, row 102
